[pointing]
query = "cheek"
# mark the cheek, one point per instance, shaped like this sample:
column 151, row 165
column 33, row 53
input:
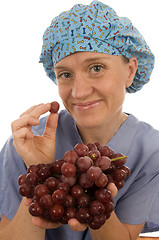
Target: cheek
column 119, row 82
column 64, row 92
column 114, row 90
column 112, row 84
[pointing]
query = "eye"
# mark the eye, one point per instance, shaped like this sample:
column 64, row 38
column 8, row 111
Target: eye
column 96, row 68
column 65, row 75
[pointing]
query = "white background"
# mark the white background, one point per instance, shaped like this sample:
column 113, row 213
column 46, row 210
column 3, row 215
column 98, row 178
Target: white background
column 23, row 81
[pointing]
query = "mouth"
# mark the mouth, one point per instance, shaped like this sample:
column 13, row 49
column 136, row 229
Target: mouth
column 87, row 105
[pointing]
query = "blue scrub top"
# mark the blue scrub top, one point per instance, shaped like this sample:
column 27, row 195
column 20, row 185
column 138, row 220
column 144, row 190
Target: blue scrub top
column 135, row 203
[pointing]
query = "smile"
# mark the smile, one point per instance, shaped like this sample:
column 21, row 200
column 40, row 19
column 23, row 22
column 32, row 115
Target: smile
column 87, row 105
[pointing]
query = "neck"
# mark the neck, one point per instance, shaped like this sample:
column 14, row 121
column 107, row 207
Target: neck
column 102, row 134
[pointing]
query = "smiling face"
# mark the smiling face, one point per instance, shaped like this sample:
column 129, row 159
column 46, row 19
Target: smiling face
column 92, row 86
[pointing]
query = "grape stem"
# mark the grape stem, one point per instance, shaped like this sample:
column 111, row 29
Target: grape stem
column 118, row 158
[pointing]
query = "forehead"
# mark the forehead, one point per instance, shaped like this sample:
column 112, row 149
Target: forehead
column 85, row 57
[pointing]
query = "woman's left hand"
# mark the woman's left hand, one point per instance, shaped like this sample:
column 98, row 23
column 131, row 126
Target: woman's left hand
column 75, row 225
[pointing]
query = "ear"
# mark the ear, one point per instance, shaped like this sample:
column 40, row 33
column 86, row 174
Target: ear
column 132, row 68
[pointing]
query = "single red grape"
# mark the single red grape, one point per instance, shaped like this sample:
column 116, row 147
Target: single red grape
column 22, row 179
column 70, row 201
column 44, row 173
column 109, row 207
column 94, row 154
column 25, row 190
column 71, row 157
column 33, row 168
column 91, row 146
column 101, row 181
column 63, row 186
column 103, row 195
column 119, row 184
column 41, row 190
column 56, row 165
column 81, row 149
column 35, row 209
column 127, row 170
column 32, row 178
column 46, row 201
column 95, row 226
column 54, row 107
column 56, row 211
column 83, row 215
column 51, row 183
column 93, row 173
column 70, row 212
column 68, row 169
column 119, row 175
column 103, row 162
column 83, row 201
column 96, row 208
column 84, row 181
column 59, row 196
column 84, row 163
column 106, row 151
column 98, row 221
column 76, row 191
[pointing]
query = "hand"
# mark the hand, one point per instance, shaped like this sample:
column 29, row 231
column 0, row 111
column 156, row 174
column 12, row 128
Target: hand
column 32, row 148
column 74, row 224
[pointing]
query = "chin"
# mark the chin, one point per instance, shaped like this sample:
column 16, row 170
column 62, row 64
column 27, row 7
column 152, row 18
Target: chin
column 89, row 122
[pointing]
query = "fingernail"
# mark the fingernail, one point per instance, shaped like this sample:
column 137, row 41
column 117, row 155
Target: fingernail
column 34, row 220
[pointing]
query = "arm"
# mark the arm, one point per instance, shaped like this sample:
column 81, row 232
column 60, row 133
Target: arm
column 21, row 225
column 33, row 149
column 114, row 229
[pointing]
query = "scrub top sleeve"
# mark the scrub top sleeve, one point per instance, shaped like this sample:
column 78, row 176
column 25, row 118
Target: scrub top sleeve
column 12, row 166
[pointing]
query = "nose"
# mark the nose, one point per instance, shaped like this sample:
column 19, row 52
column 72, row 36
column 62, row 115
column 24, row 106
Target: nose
column 82, row 87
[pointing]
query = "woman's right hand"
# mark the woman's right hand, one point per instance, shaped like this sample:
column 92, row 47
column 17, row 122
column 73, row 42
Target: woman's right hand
column 35, row 149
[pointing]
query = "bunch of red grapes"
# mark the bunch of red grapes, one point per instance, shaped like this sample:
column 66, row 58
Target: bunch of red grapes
column 75, row 186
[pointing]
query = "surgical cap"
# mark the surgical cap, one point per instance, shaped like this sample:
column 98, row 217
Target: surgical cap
column 96, row 28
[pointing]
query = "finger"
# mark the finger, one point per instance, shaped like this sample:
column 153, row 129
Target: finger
column 45, row 224
column 24, row 122
column 75, row 225
column 28, row 111
column 28, row 201
column 41, row 110
column 22, row 133
column 113, row 189
column 51, row 126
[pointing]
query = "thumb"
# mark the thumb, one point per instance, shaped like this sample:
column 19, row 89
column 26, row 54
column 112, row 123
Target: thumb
column 51, row 126
column 113, row 189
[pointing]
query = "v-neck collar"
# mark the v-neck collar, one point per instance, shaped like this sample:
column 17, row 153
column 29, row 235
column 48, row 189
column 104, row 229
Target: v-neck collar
column 121, row 141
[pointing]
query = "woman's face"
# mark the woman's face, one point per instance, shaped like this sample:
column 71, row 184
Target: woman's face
column 92, row 86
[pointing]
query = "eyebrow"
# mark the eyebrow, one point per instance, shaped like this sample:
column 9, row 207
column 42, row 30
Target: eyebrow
column 86, row 60
column 96, row 59
column 58, row 67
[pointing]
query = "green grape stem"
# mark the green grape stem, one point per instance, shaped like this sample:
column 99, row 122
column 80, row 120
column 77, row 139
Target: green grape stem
column 118, row 158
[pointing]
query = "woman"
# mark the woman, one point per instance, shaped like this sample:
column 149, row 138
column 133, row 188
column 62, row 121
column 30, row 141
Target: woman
column 95, row 57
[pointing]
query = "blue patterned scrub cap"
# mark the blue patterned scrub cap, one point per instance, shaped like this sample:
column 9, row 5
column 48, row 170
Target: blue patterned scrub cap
column 96, row 28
